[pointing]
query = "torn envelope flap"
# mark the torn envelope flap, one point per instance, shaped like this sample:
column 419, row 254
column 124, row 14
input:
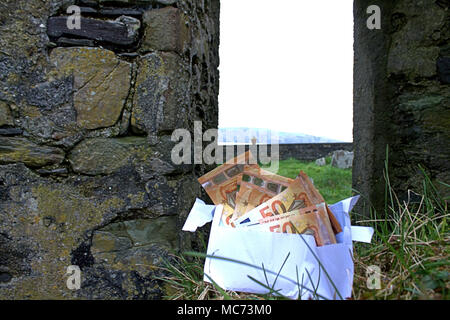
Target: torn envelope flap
column 362, row 234
column 200, row 215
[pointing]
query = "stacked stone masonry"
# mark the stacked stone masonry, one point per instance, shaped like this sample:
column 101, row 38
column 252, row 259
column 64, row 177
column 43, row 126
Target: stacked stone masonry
column 401, row 98
column 86, row 118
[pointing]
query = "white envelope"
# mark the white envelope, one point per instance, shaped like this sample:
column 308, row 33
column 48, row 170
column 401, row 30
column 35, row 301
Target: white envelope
column 286, row 263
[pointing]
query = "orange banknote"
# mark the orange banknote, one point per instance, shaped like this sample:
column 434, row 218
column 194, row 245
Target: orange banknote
column 301, row 193
column 312, row 220
column 257, row 186
column 221, row 183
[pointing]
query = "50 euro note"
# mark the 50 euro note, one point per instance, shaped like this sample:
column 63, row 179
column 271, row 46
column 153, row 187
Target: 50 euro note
column 221, row 183
column 257, row 186
column 301, row 193
column 311, row 220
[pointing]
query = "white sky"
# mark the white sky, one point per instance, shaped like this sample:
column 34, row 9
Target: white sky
column 287, row 65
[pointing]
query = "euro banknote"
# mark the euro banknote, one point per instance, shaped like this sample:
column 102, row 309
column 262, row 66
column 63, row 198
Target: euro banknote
column 311, row 220
column 301, row 193
column 221, row 183
column 256, row 186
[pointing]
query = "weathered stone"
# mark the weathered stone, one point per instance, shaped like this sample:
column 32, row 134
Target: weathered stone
column 166, row 2
column 131, row 2
column 164, row 198
column 413, row 62
column 342, row 159
column 41, row 105
column 410, row 54
column 43, row 223
column 443, row 67
column 135, row 233
column 88, row 10
column 122, row 32
column 10, row 131
column 115, row 12
column 321, row 162
column 400, row 99
column 58, row 171
column 14, row 149
column 166, row 30
column 124, row 1
column 48, row 223
column 89, row 2
column 101, row 82
column 6, row 118
column 70, row 42
column 161, row 99
column 106, row 242
column 104, row 156
column 50, row 95
column 5, row 277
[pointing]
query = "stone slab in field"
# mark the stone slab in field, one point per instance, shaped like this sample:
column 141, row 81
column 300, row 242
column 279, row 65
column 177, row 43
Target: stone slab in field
column 321, row 162
column 342, row 159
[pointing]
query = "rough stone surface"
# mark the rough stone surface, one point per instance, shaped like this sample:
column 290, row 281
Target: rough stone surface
column 76, row 183
column 101, row 81
column 6, row 118
column 135, row 233
column 443, row 66
column 10, row 131
column 15, row 149
column 162, row 90
column 123, row 31
column 166, row 30
column 122, row 2
column 104, row 156
column 342, row 159
column 321, row 162
column 301, row 151
column 401, row 99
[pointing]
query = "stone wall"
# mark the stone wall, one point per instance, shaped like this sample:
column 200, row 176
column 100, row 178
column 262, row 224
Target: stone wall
column 86, row 118
column 401, row 97
column 311, row 151
column 299, row 151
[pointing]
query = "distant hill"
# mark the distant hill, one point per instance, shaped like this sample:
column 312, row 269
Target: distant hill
column 245, row 135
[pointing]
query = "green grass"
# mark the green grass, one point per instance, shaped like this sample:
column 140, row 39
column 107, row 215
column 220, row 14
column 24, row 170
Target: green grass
column 334, row 184
column 410, row 246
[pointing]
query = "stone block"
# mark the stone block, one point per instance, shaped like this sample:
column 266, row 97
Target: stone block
column 133, row 2
column 342, row 159
column 6, row 118
column 161, row 99
column 104, row 156
column 122, row 32
column 321, row 162
column 443, row 67
column 101, row 83
column 166, row 29
column 15, row 149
